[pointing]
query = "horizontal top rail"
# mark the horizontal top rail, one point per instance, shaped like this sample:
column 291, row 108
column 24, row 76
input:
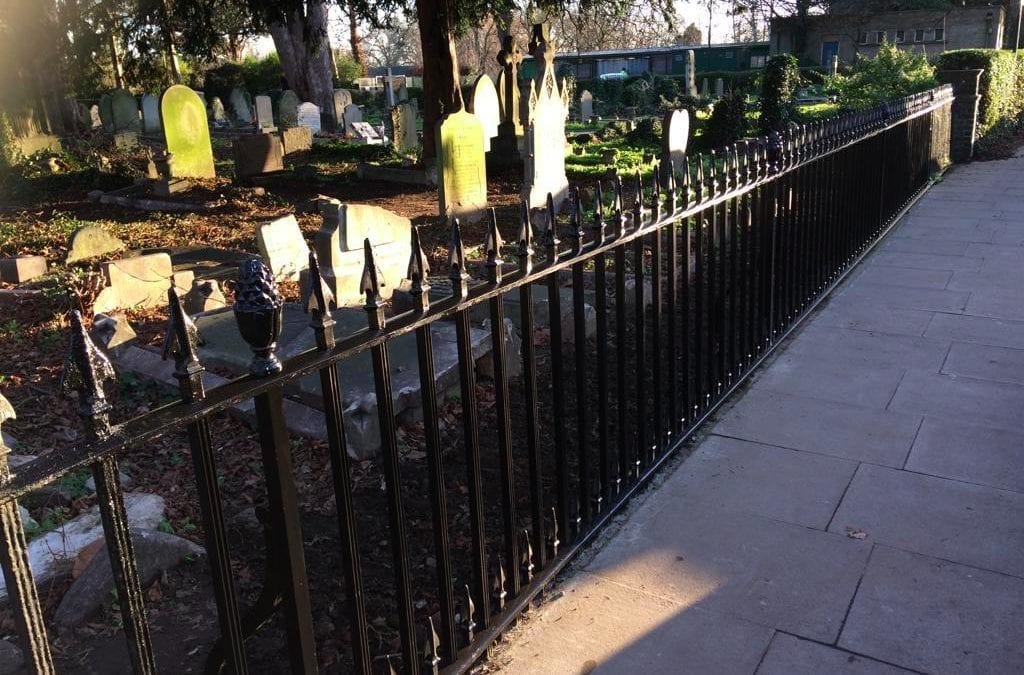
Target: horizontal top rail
column 747, row 166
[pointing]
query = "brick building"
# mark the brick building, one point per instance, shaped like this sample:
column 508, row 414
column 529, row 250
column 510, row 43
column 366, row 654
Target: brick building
column 852, row 33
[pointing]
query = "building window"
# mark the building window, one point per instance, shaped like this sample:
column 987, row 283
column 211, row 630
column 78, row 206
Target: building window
column 862, row 38
column 585, row 71
column 901, row 36
column 677, row 57
column 758, row 61
column 940, row 34
column 880, row 37
column 919, row 35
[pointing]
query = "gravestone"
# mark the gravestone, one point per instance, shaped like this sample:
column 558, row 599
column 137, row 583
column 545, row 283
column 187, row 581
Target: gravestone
column 542, row 49
column 484, row 104
column 95, row 121
column 586, row 106
column 126, row 140
column 309, row 117
column 403, row 122
column 296, row 139
column 217, row 114
column 351, row 114
column 257, row 154
column 833, row 66
column 186, row 133
column 22, row 268
column 282, row 247
column 90, row 241
column 151, row 114
column 705, row 88
column 510, row 130
column 106, row 111
column 341, row 98
column 544, row 159
column 402, row 93
column 264, row 113
column 462, row 179
column 288, row 110
column 240, row 107
column 675, row 133
column 719, row 88
column 136, row 282
column 364, row 132
column 125, row 111
column 339, row 247
column 691, row 73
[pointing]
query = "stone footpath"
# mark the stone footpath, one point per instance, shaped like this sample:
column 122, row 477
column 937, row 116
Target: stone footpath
column 860, row 508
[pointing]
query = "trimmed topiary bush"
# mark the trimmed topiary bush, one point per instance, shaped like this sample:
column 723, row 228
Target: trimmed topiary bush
column 728, row 122
column 779, row 83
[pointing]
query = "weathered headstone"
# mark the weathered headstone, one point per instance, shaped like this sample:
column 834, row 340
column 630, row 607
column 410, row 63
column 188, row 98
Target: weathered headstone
column 705, row 88
column 403, row 124
column 462, row 180
column 282, row 247
column 106, row 113
column 137, row 282
column 95, row 121
column 125, row 110
column 352, row 113
column 264, row 113
column 126, row 140
column 288, row 109
column 151, row 114
column 484, row 104
column 586, row 106
column 342, row 98
column 186, row 133
column 90, row 241
column 296, row 139
column 217, row 114
column 257, row 154
column 239, row 100
column 544, row 160
column 309, row 116
column 675, row 133
column 719, row 88
column 339, row 247
column 691, row 73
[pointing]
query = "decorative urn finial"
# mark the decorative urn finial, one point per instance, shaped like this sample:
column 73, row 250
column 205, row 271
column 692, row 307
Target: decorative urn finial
column 259, row 312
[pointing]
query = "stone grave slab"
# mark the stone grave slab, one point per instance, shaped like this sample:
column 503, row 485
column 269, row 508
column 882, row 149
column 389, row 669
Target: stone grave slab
column 126, row 140
column 22, row 268
column 264, row 113
column 350, row 115
column 675, row 135
column 136, row 282
column 544, row 161
column 151, row 114
column 462, row 183
column 90, row 241
column 366, row 134
column 296, row 139
column 586, row 105
column 282, row 247
column 339, row 247
column 691, row 73
column 257, row 155
column 240, row 106
column 484, row 104
column 124, row 111
column 309, row 116
column 288, row 109
column 186, row 133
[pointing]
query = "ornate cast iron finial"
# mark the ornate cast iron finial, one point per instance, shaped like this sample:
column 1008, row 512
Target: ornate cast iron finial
column 492, row 247
column 527, row 562
column 369, row 286
column 417, row 273
column 431, row 660
column 6, row 414
column 655, row 195
column 620, row 207
column 457, row 262
column 467, row 623
column 317, row 297
column 259, row 312
column 670, row 190
column 182, row 338
column 685, row 185
column 638, row 201
column 525, row 251
column 86, row 371
column 498, row 588
column 599, row 224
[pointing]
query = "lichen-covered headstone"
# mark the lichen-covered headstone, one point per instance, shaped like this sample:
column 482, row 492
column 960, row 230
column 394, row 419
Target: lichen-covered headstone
column 586, row 105
column 675, row 133
column 288, row 109
column 125, row 111
column 106, row 112
column 282, row 247
column 217, row 111
column 264, row 113
column 91, row 241
column 544, row 160
column 240, row 106
column 309, row 116
column 296, row 139
column 186, row 133
column 151, row 114
column 462, row 180
column 484, row 104
column 352, row 113
column 403, row 122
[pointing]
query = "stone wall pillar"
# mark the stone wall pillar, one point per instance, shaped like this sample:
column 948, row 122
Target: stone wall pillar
column 966, row 87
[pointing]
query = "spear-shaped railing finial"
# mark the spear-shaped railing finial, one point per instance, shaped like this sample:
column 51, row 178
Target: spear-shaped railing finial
column 86, row 371
column 551, row 233
column 417, row 273
column 492, row 247
column 457, row 262
column 181, row 341
column 577, row 221
column 431, row 659
column 525, row 251
column 369, row 286
column 599, row 223
column 317, row 299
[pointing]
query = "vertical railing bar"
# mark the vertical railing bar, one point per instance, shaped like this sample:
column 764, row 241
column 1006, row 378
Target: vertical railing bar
column 580, row 352
column 640, row 326
column 604, row 495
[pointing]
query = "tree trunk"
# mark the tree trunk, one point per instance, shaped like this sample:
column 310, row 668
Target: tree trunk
column 441, row 91
column 168, row 36
column 305, row 50
column 355, row 42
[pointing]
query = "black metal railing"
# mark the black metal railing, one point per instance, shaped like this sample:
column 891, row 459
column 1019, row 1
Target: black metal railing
column 723, row 264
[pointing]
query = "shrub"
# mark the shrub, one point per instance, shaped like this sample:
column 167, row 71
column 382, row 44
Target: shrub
column 665, row 87
column 348, row 69
column 779, row 82
column 1002, row 83
column 254, row 75
column 646, row 134
column 892, row 74
column 728, row 122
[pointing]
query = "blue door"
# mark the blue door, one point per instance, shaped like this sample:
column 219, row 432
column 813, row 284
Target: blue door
column 829, row 50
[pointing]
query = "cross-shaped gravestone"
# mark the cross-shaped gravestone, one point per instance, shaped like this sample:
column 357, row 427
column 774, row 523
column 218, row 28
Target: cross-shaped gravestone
column 509, row 59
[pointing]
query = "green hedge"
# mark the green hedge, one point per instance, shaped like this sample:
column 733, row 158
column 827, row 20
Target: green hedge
column 1002, row 83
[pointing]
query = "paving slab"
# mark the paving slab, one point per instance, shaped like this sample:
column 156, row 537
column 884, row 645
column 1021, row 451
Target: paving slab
column 584, row 631
column 726, row 473
column 867, row 349
column 761, row 570
column 825, row 427
column 790, row 655
column 977, row 329
column 925, row 261
column 998, row 364
column 925, row 246
column 868, row 293
column 962, row 522
column 989, row 277
column 855, row 316
column 829, row 380
column 907, row 277
column 977, row 401
column 937, row 617
column 998, row 303
column 969, row 452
